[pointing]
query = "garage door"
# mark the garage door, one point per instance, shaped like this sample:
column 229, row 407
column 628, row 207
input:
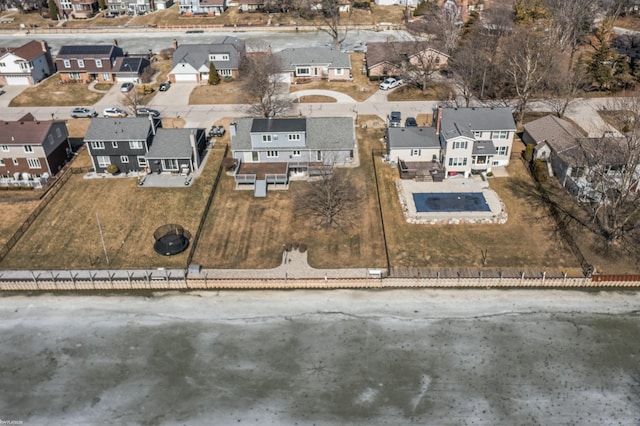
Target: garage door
column 17, row 80
column 185, row 77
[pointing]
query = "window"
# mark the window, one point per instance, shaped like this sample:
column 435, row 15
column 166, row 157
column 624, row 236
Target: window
column 98, row 63
column 50, row 139
column 80, row 63
column 5, row 148
column 339, row 71
column 1, row 162
column 114, row 144
column 503, row 150
column 74, row 75
column 97, row 145
column 106, row 76
column 2, row 65
column 219, row 57
column 577, row 172
column 124, row 159
column 458, row 161
column 170, row 164
column 28, row 148
column 500, row 134
column 272, row 154
column 15, row 161
column 224, row 72
column 58, row 132
column 302, row 72
column 135, row 145
column 266, row 138
column 24, row 66
column 34, row 163
column 296, row 153
column 477, row 134
column 103, row 161
column 459, row 145
column 294, row 137
column 142, row 162
column 415, row 153
column 66, row 63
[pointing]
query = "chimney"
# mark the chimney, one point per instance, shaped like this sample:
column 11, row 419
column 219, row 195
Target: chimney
column 153, row 125
column 45, row 46
column 269, row 51
column 438, row 119
column 175, row 44
column 232, row 129
column 389, row 39
column 114, row 42
column 194, row 147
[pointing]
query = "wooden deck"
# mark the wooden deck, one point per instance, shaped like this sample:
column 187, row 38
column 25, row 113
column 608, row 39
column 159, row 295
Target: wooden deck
column 262, row 169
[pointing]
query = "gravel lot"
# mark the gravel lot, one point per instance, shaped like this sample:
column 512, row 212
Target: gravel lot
column 323, row 358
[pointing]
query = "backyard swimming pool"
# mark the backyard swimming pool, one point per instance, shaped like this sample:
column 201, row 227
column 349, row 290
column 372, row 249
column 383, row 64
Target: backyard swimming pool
column 450, row 202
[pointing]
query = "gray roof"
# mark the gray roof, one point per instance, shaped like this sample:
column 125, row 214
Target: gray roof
column 323, row 133
column 197, row 55
column 305, row 56
column 118, row 129
column 555, row 132
column 173, row 143
column 412, row 137
column 463, row 121
column 278, row 125
column 484, row 148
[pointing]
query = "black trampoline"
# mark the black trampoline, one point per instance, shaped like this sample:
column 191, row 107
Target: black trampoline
column 171, row 239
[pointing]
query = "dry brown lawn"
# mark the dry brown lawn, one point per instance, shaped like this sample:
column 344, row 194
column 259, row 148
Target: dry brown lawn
column 527, row 239
column 50, row 93
column 246, row 232
column 13, row 215
column 232, row 92
column 315, row 99
column 65, row 235
column 435, row 92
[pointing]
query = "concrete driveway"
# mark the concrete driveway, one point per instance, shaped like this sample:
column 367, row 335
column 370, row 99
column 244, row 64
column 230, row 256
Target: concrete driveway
column 10, row 93
column 178, row 94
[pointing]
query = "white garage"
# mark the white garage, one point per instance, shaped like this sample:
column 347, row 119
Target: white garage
column 17, row 80
column 185, row 77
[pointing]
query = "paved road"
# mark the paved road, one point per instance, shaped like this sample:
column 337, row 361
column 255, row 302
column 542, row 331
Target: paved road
column 324, row 358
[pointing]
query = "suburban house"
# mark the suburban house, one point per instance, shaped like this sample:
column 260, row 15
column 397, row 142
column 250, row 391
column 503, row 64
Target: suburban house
column 205, row 7
column 136, row 144
column 314, row 64
column 250, row 5
column 270, row 150
column 463, row 8
column 390, row 58
column 176, row 150
column 25, row 65
column 409, row 3
column 191, row 61
column 135, row 7
column 473, row 140
column 129, row 68
column 121, row 141
column 31, row 151
column 575, row 159
column 417, row 152
column 76, row 9
column 85, row 63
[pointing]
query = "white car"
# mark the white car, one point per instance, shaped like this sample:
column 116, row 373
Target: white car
column 390, row 83
column 114, row 113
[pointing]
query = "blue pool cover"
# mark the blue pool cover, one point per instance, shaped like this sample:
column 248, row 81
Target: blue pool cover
column 450, row 202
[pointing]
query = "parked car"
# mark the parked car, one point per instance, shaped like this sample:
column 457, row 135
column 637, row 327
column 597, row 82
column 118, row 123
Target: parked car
column 126, row 87
column 390, row 83
column 410, row 122
column 2, row 92
column 395, row 118
column 165, row 86
column 144, row 111
column 114, row 113
column 216, row 131
column 83, row 113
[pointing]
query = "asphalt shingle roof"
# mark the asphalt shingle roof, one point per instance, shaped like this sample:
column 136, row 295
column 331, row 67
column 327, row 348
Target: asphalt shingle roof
column 197, row 55
column 304, row 56
column 557, row 133
column 463, row 121
column 322, row 133
column 173, row 143
column 412, row 137
column 118, row 129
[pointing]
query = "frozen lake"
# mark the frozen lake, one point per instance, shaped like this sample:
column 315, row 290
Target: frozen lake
column 323, row 358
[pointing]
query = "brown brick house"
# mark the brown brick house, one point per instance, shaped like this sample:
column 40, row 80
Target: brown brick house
column 86, row 63
column 387, row 58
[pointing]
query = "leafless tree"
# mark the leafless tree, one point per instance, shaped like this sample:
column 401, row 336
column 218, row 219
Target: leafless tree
column 336, row 23
column 571, row 23
column 528, row 61
column 445, row 24
column 468, row 64
column 418, row 61
column 613, row 172
column 132, row 100
column 261, row 72
column 330, row 200
column 565, row 85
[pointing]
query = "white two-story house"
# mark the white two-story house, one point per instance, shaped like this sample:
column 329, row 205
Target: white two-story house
column 474, row 140
column 25, row 65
